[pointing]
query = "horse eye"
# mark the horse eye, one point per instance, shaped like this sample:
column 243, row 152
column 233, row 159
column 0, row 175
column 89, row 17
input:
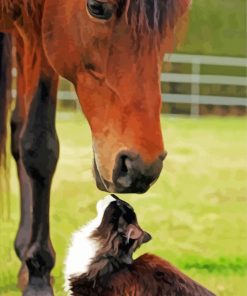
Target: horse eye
column 100, row 10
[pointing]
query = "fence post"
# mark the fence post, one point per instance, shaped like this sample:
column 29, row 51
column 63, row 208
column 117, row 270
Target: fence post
column 195, row 88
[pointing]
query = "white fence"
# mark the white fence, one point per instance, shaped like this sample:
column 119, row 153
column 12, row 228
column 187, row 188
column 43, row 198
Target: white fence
column 195, row 79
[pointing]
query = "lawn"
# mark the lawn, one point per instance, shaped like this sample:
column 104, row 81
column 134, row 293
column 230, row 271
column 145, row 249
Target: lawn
column 216, row 28
column 196, row 212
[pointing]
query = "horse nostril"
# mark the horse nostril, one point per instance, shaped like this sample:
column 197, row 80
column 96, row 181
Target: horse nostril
column 132, row 175
column 123, row 170
column 124, row 164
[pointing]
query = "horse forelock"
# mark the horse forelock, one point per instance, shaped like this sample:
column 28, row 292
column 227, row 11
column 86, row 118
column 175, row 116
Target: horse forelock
column 29, row 5
column 155, row 16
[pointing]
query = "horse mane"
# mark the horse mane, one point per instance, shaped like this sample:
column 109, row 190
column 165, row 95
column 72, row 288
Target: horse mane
column 156, row 16
column 30, row 6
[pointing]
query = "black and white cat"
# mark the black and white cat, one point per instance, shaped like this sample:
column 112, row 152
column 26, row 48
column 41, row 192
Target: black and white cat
column 100, row 262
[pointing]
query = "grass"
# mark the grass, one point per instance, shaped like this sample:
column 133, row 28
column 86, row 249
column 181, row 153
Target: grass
column 217, row 28
column 196, row 212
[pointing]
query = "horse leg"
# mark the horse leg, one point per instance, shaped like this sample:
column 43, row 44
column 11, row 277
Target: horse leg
column 24, row 232
column 40, row 148
column 17, row 122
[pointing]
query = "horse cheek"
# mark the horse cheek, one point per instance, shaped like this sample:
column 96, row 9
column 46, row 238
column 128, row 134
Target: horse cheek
column 59, row 37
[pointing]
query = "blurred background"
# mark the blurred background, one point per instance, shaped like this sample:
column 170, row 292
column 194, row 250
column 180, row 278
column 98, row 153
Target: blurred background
column 197, row 211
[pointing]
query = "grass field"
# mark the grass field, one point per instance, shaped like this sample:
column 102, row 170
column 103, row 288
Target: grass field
column 196, row 212
column 217, row 28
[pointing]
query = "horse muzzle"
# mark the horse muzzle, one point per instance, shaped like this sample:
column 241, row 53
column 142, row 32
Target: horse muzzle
column 130, row 174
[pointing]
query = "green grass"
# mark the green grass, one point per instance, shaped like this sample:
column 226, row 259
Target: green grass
column 196, row 212
column 217, row 28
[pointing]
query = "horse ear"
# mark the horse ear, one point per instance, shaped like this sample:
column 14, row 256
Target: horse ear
column 59, row 33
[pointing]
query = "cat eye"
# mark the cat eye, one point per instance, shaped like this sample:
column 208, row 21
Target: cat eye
column 100, row 10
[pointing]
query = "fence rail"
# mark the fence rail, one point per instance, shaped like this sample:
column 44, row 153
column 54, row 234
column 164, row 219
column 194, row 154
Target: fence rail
column 206, row 60
column 195, row 79
column 204, row 100
column 203, row 79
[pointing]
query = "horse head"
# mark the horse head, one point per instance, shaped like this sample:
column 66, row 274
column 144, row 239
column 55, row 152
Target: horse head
column 112, row 51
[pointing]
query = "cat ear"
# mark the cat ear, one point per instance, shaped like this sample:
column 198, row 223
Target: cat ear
column 146, row 237
column 133, row 232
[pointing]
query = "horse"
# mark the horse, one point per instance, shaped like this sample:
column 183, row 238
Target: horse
column 112, row 52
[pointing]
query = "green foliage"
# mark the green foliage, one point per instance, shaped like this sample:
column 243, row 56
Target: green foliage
column 217, row 27
column 196, row 212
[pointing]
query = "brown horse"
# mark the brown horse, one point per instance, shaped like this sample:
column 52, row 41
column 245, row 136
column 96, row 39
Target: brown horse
column 112, row 51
